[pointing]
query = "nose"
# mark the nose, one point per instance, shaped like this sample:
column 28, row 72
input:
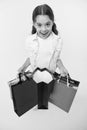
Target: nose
column 43, row 29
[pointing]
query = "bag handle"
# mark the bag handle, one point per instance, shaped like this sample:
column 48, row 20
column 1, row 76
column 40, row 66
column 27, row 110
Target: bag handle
column 21, row 74
column 54, row 75
column 67, row 79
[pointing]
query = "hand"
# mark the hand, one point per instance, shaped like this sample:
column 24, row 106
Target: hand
column 63, row 72
column 20, row 70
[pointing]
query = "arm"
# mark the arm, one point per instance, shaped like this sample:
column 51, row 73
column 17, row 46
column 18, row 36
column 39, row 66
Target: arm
column 53, row 61
column 56, row 62
column 63, row 70
column 24, row 66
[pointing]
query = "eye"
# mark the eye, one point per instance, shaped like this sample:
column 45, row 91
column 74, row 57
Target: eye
column 48, row 24
column 38, row 24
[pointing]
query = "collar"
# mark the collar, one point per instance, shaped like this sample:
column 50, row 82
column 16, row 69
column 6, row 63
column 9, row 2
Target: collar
column 35, row 37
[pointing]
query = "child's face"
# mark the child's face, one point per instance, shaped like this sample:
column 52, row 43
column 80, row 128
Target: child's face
column 43, row 25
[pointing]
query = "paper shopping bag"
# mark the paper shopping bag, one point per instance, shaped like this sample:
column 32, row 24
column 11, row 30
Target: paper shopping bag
column 63, row 95
column 24, row 95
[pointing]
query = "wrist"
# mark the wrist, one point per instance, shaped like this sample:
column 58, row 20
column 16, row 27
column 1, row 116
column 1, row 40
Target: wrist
column 21, row 70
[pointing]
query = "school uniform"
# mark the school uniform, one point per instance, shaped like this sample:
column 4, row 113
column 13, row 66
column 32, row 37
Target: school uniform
column 40, row 52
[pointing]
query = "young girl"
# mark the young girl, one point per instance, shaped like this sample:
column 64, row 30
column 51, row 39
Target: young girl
column 44, row 47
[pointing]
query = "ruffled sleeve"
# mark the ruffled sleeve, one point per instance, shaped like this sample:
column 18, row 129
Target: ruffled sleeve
column 59, row 44
column 28, row 46
column 31, row 47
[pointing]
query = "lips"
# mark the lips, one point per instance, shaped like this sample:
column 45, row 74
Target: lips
column 44, row 33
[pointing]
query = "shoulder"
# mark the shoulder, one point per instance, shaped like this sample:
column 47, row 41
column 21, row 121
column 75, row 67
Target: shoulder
column 58, row 41
column 56, row 37
column 30, row 42
column 30, row 38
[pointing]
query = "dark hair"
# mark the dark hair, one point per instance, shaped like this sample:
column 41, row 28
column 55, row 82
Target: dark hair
column 43, row 10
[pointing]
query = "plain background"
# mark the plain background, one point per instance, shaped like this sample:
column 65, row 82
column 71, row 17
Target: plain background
column 15, row 25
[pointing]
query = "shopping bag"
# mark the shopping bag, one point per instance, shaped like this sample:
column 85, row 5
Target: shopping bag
column 43, row 77
column 64, row 92
column 24, row 94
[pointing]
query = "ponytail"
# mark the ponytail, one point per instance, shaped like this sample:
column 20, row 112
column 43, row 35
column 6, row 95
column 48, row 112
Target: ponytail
column 33, row 30
column 54, row 29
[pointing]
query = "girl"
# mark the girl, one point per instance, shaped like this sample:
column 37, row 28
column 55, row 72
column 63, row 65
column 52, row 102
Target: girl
column 44, row 47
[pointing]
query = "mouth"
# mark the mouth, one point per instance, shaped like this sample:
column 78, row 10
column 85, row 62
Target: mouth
column 44, row 34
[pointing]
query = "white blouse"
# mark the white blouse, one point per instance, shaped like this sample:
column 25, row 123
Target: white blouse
column 40, row 51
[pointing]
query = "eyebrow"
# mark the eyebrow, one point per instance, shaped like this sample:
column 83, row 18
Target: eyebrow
column 45, row 23
column 38, row 23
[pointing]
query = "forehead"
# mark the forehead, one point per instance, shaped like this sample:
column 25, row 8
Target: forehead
column 43, row 19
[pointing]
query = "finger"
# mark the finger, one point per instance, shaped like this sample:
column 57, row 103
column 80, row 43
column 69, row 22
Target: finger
column 63, row 75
